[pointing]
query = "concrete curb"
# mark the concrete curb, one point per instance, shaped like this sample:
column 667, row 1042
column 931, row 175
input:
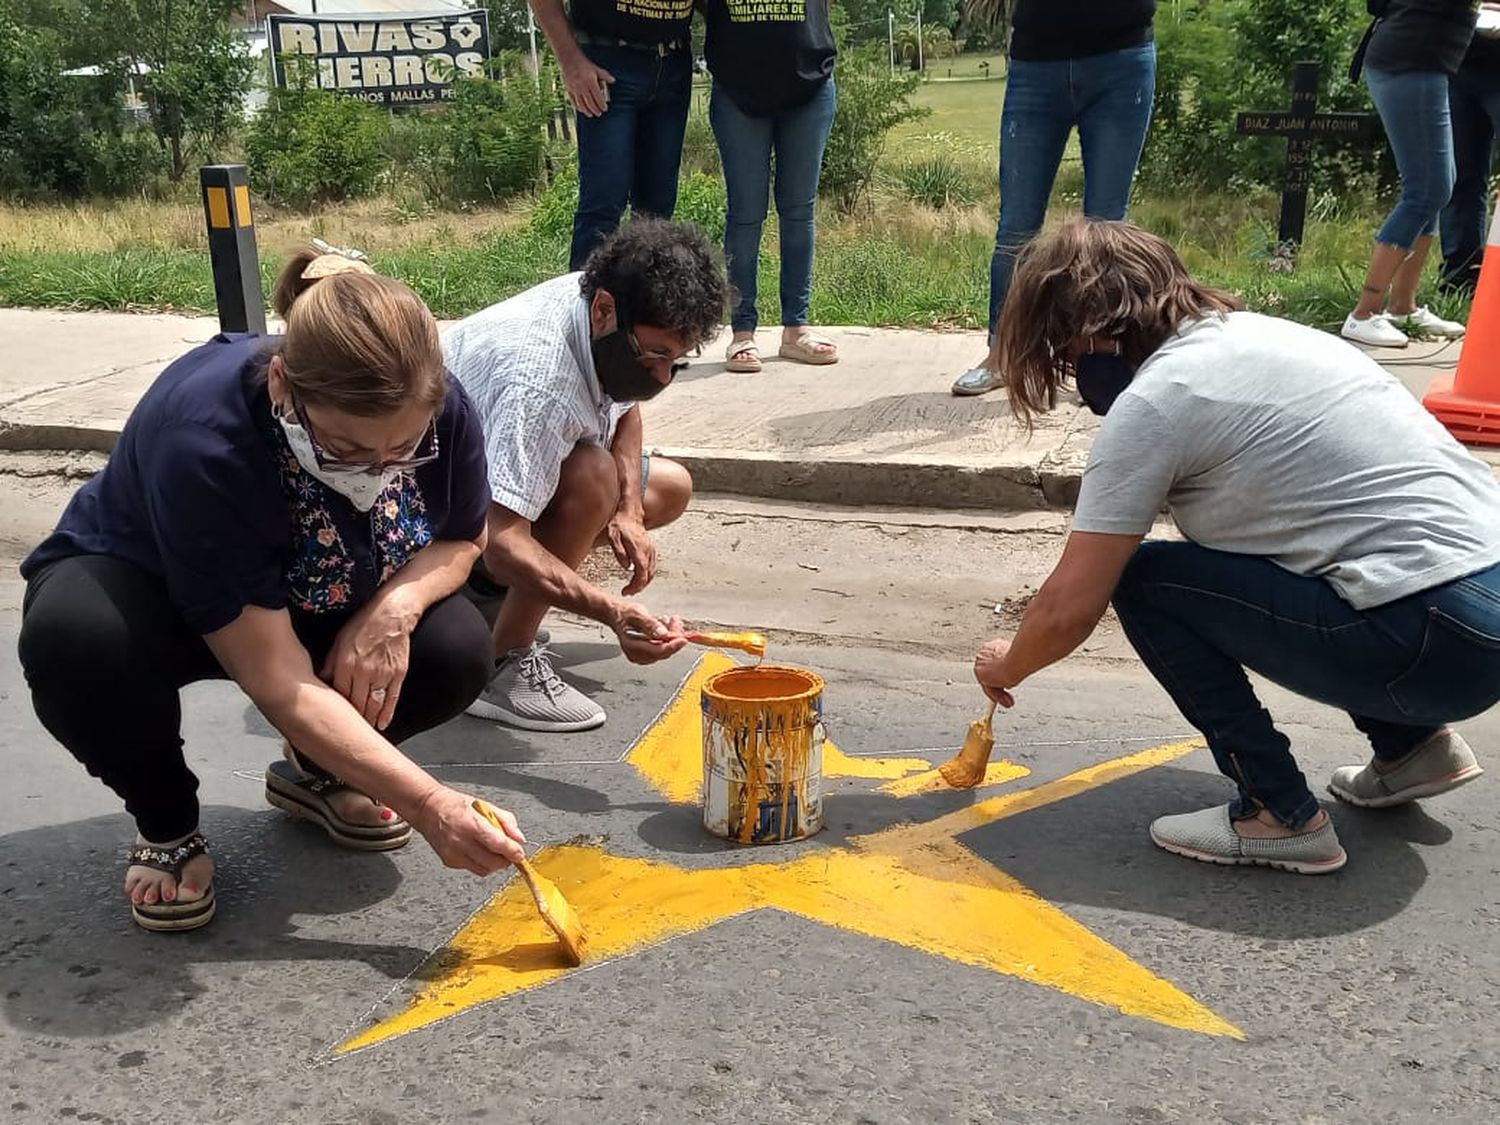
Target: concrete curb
column 903, row 484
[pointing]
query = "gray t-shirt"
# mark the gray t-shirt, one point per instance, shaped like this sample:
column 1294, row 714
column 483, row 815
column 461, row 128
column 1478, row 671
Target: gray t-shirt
column 1267, row 438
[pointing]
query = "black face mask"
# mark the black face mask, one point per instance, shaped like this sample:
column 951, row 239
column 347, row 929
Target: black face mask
column 1100, row 378
column 621, row 374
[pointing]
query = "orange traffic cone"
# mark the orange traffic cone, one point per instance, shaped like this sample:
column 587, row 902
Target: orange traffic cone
column 1469, row 403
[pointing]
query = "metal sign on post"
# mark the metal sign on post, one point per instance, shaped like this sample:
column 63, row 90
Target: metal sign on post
column 389, row 61
column 231, row 248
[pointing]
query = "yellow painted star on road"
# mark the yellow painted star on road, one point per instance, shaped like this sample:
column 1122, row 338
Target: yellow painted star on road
column 911, row 884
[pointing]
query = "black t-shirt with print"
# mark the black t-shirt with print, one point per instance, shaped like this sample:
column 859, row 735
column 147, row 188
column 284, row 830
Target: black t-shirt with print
column 636, row 21
column 769, row 56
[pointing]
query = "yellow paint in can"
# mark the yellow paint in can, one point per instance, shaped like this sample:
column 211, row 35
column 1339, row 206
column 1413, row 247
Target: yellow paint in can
column 763, row 754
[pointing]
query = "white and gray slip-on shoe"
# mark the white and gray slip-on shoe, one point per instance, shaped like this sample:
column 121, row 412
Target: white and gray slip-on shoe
column 1210, row 836
column 1441, row 763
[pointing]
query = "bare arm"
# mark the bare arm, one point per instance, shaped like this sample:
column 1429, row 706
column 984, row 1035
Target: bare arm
column 632, row 544
column 626, row 450
column 587, row 84
column 1063, row 614
column 515, row 558
column 261, row 653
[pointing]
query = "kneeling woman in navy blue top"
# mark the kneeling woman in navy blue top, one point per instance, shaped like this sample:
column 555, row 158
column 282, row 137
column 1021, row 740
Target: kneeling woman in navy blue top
column 296, row 514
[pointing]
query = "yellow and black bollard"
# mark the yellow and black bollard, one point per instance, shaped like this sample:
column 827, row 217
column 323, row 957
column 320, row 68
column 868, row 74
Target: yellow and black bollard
column 231, row 248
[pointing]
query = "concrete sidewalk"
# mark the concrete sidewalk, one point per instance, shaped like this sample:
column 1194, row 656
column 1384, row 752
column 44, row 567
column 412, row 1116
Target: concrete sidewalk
column 880, row 427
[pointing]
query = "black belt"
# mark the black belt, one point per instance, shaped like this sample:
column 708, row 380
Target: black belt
column 661, row 50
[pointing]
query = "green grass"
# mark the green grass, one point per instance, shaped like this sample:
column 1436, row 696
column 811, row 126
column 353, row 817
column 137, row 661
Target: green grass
column 898, row 264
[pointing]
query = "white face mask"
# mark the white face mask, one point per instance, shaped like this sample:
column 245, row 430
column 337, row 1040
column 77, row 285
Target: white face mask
column 360, row 489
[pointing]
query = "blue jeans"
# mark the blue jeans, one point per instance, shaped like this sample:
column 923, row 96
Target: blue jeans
column 1474, row 106
column 1109, row 98
column 1413, row 108
column 1199, row 618
column 746, row 144
column 630, row 156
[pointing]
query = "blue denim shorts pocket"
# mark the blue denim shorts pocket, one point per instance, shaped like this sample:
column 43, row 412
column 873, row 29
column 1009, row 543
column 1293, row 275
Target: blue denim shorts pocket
column 1455, row 676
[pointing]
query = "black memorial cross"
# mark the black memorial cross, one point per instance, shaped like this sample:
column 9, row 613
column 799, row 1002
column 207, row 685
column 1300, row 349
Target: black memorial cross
column 1301, row 126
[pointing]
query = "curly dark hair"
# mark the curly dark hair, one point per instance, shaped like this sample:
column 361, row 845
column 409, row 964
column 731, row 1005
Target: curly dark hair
column 664, row 275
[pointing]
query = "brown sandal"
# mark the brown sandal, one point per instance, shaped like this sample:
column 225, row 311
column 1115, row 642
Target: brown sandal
column 302, row 787
column 169, row 917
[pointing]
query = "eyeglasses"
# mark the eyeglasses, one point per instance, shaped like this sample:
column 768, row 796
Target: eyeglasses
column 679, row 363
column 412, row 459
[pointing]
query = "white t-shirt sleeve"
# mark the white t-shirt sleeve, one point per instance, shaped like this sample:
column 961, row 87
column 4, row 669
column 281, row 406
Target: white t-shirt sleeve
column 528, row 432
column 1133, row 465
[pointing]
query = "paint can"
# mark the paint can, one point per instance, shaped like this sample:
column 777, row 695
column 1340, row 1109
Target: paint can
column 763, row 754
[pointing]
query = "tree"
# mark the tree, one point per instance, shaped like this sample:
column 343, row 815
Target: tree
column 195, row 70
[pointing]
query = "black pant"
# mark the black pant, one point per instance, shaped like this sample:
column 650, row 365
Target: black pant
column 105, row 655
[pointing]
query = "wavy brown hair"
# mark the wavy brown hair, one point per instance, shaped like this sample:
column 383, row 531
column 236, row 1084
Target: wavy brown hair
column 1092, row 277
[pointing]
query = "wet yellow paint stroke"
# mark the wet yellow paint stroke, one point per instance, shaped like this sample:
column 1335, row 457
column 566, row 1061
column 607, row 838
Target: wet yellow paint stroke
column 940, row 899
column 931, row 781
column 669, row 753
column 911, row 884
column 838, row 764
column 996, row 808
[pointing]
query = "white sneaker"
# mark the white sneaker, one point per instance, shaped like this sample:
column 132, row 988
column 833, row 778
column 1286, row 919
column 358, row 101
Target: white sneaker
column 977, row 381
column 526, row 692
column 1376, row 331
column 1425, row 320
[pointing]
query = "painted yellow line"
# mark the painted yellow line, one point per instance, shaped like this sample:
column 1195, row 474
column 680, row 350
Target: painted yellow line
column 931, row 781
column 1011, row 804
column 669, row 753
column 838, row 764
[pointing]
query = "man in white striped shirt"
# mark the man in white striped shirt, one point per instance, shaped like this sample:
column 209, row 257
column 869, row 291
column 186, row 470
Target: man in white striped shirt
column 555, row 374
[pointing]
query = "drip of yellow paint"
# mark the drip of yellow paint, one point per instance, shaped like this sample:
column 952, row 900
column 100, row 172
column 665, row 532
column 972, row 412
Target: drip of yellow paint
column 767, row 718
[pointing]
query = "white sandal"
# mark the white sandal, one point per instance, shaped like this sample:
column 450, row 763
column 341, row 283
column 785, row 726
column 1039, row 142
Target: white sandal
column 743, row 357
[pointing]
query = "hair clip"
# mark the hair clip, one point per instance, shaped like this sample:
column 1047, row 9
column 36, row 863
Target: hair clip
column 335, row 259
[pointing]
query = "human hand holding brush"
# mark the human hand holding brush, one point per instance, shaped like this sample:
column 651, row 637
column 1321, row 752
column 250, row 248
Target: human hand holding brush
column 988, row 671
column 465, row 840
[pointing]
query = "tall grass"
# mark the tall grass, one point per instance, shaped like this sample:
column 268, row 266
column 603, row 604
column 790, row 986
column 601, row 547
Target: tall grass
column 900, row 263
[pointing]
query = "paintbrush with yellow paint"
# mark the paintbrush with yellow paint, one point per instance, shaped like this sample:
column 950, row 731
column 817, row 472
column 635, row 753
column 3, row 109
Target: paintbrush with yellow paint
column 560, row 917
column 753, row 643
column 966, row 770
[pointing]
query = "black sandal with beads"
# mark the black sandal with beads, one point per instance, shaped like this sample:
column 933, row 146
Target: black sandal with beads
column 166, row 917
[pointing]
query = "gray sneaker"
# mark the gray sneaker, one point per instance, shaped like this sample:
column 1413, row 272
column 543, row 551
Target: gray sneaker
column 1441, row 763
column 1210, row 836
column 527, row 692
column 976, row 381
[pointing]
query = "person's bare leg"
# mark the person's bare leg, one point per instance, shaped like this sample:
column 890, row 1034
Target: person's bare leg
column 669, row 488
column 1264, row 826
column 1385, row 260
column 588, row 492
column 1403, row 301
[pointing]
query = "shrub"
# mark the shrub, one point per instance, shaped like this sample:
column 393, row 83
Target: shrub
column 552, row 213
column 872, row 102
column 62, row 136
column 700, row 151
column 941, row 176
column 314, row 146
column 701, row 199
column 491, row 139
column 1217, row 57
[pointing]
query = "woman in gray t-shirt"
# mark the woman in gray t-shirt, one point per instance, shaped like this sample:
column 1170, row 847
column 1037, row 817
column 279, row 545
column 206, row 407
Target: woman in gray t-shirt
column 1339, row 541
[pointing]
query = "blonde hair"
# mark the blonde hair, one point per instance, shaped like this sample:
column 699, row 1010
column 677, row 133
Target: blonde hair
column 355, row 341
column 1093, row 277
